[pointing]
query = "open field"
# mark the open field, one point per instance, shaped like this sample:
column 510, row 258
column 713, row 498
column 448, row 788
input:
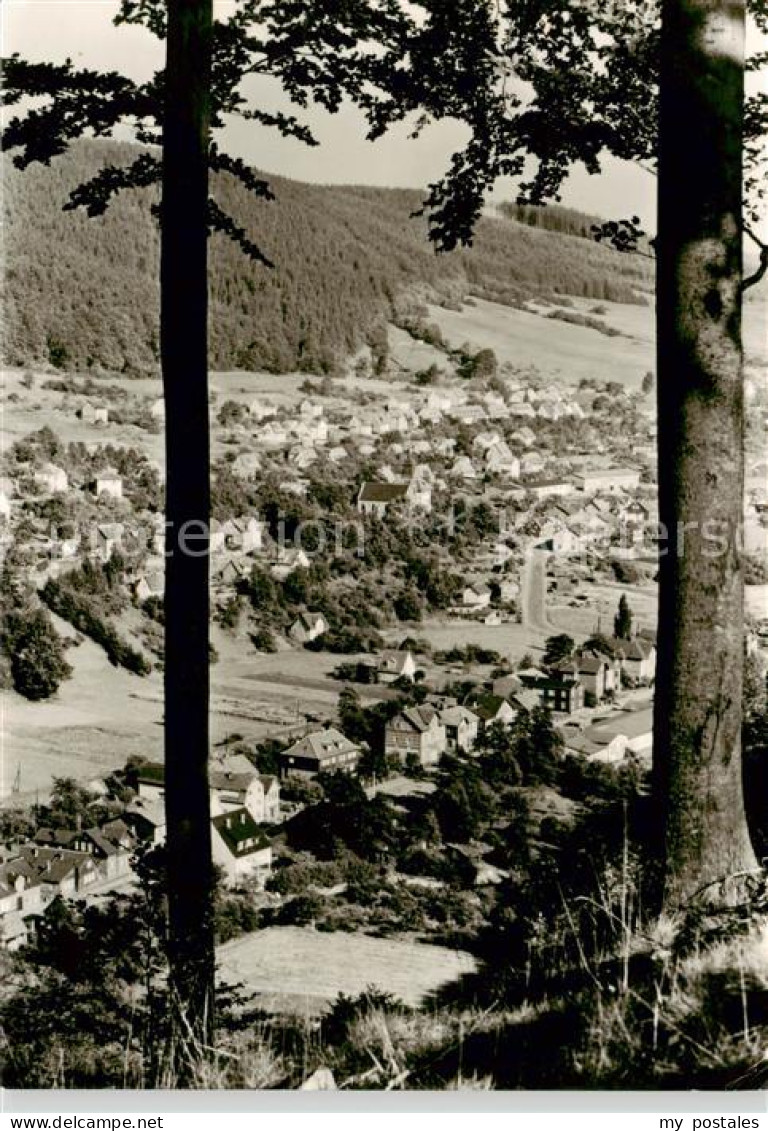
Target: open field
column 510, row 640
column 556, row 349
column 301, row 970
column 568, row 353
column 596, row 614
column 103, row 715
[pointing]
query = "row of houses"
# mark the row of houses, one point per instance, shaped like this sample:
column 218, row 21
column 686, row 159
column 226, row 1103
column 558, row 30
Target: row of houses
column 77, row 863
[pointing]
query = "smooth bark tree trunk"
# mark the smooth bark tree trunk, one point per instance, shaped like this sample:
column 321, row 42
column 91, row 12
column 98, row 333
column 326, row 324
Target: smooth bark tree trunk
column 697, row 726
column 184, row 351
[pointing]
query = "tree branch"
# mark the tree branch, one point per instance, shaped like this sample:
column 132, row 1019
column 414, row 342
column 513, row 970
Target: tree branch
column 762, row 270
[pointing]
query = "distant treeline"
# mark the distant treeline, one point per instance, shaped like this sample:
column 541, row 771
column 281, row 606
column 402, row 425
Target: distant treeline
column 551, row 217
column 82, row 294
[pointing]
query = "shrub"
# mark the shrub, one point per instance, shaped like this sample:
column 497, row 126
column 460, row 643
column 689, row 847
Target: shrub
column 35, row 652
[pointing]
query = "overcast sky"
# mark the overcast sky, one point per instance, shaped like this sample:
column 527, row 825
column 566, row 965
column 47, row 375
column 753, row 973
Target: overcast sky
column 82, row 30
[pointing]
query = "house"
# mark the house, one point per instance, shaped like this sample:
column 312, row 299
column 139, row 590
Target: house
column 108, row 482
column 308, row 626
column 287, row 559
column 260, row 410
column 244, row 535
column 636, row 657
column 417, row 732
column 461, row 728
column 558, row 539
column 107, row 538
column 562, row 692
column 499, row 460
column 61, row 871
column 246, row 464
column 484, row 441
column 240, row 848
column 110, row 846
column 377, row 498
column 92, row 414
column 525, row 700
column 322, row 751
column 259, row 793
column 302, row 456
column 146, row 819
column 524, row 436
column 230, row 572
column 521, row 408
column 21, row 896
column 272, row 435
column 640, row 660
column 469, row 413
column 531, row 463
column 5, row 505
column 477, row 595
column 610, row 479
column 51, row 478
column 463, row 468
column 490, row 708
column 548, row 488
column 509, row 590
column 597, row 745
column 150, row 584
column 595, row 672
column 393, row 664
column 310, row 409
column 635, row 726
column 157, row 410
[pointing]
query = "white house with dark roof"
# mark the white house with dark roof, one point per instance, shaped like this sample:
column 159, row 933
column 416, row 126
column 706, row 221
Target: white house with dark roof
column 376, row 498
column 258, row 793
column 240, row 848
column 548, row 488
column 476, row 595
column 322, row 751
column 307, row 627
column 393, row 664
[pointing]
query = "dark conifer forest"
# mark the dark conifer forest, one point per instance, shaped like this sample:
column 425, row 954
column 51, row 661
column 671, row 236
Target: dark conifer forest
column 82, row 293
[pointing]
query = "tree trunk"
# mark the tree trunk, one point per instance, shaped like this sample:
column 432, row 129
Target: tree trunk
column 184, row 348
column 698, row 707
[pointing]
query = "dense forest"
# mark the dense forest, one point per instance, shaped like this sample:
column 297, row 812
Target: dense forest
column 83, row 293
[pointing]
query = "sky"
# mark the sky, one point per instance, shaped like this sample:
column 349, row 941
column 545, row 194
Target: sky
column 82, row 30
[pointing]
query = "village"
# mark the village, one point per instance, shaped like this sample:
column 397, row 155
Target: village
column 427, row 563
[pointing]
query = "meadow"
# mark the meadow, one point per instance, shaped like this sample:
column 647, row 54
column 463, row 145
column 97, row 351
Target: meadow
column 301, row 970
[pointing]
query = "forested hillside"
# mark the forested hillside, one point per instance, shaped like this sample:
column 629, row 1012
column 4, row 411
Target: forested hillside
column 83, row 293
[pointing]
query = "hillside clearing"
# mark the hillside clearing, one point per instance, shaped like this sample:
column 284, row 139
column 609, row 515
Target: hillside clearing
column 301, row 970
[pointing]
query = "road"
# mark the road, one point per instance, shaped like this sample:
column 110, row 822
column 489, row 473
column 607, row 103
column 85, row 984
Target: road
column 533, row 594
